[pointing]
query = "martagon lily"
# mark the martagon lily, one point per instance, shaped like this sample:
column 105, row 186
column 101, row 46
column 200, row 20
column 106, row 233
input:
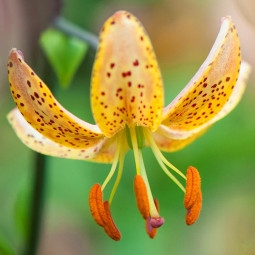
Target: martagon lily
column 127, row 100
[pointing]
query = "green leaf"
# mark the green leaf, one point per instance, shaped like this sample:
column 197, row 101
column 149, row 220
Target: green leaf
column 64, row 53
column 5, row 247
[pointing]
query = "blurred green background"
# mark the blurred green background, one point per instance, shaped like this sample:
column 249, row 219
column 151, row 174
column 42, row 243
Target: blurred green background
column 182, row 33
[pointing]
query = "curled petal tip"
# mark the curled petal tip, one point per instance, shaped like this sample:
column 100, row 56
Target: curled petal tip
column 226, row 18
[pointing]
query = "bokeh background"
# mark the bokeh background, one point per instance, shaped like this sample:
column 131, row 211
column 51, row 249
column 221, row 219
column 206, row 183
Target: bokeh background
column 182, row 33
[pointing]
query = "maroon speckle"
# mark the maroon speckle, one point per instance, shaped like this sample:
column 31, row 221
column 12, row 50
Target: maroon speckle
column 21, row 104
column 108, row 74
column 228, row 78
column 205, row 85
column 36, row 95
column 136, row 63
column 10, row 64
column 102, row 93
column 112, row 65
column 18, row 95
column 29, row 84
column 113, row 22
column 194, row 105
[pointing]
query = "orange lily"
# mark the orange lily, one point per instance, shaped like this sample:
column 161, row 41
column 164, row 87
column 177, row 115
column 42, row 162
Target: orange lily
column 127, row 101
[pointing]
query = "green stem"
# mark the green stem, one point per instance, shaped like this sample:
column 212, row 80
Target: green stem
column 36, row 204
column 73, row 30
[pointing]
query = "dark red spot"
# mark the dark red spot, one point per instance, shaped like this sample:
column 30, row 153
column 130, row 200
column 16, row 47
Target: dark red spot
column 32, row 73
column 21, row 104
column 10, row 64
column 205, row 85
column 112, row 65
column 141, row 38
column 32, row 97
column 50, row 105
column 228, row 78
column 136, row 63
column 205, row 79
column 102, row 93
column 129, row 84
column 194, row 105
column 36, row 95
column 113, row 22
column 29, row 84
column 43, row 100
column 18, row 95
column 108, row 74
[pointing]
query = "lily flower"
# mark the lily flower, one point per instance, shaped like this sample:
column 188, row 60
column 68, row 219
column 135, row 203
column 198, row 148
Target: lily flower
column 127, row 100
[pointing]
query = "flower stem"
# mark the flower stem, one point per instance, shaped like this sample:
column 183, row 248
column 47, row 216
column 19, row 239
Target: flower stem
column 37, row 203
column 73, row 30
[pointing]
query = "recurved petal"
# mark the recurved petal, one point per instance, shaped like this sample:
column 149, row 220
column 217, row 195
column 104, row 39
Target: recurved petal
column 102, row 151
column 42, row 111
column 210, row 89
column 171, row 140
column 126, row 83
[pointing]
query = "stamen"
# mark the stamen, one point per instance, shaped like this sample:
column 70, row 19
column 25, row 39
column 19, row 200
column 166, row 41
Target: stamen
column 115, row 161
column 193, row 187
column 167, row 172
column 153, row 209
column 96, row 205
column 161, row 156
column 141, row 196
column 110, row 228
column 193, row 213
column 135, row 148
column 121, row 163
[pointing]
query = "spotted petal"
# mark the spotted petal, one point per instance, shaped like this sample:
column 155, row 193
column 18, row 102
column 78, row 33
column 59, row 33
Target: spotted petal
column 210, row 89
column 172, row 140
column 126, row 82
column 42, row 111
column 102, row 151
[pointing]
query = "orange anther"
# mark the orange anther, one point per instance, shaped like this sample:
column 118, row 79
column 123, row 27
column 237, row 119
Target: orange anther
column 193, row 213
column 193, row 187
column 141, row 196
column 110, row 228
column 96, row 205
column 149, row 229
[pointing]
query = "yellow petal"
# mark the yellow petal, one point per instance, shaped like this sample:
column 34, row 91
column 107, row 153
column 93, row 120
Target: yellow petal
column 126, row 81
column 102, row 151
column 228, row 107
column 42, row 111
column 210, row 89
